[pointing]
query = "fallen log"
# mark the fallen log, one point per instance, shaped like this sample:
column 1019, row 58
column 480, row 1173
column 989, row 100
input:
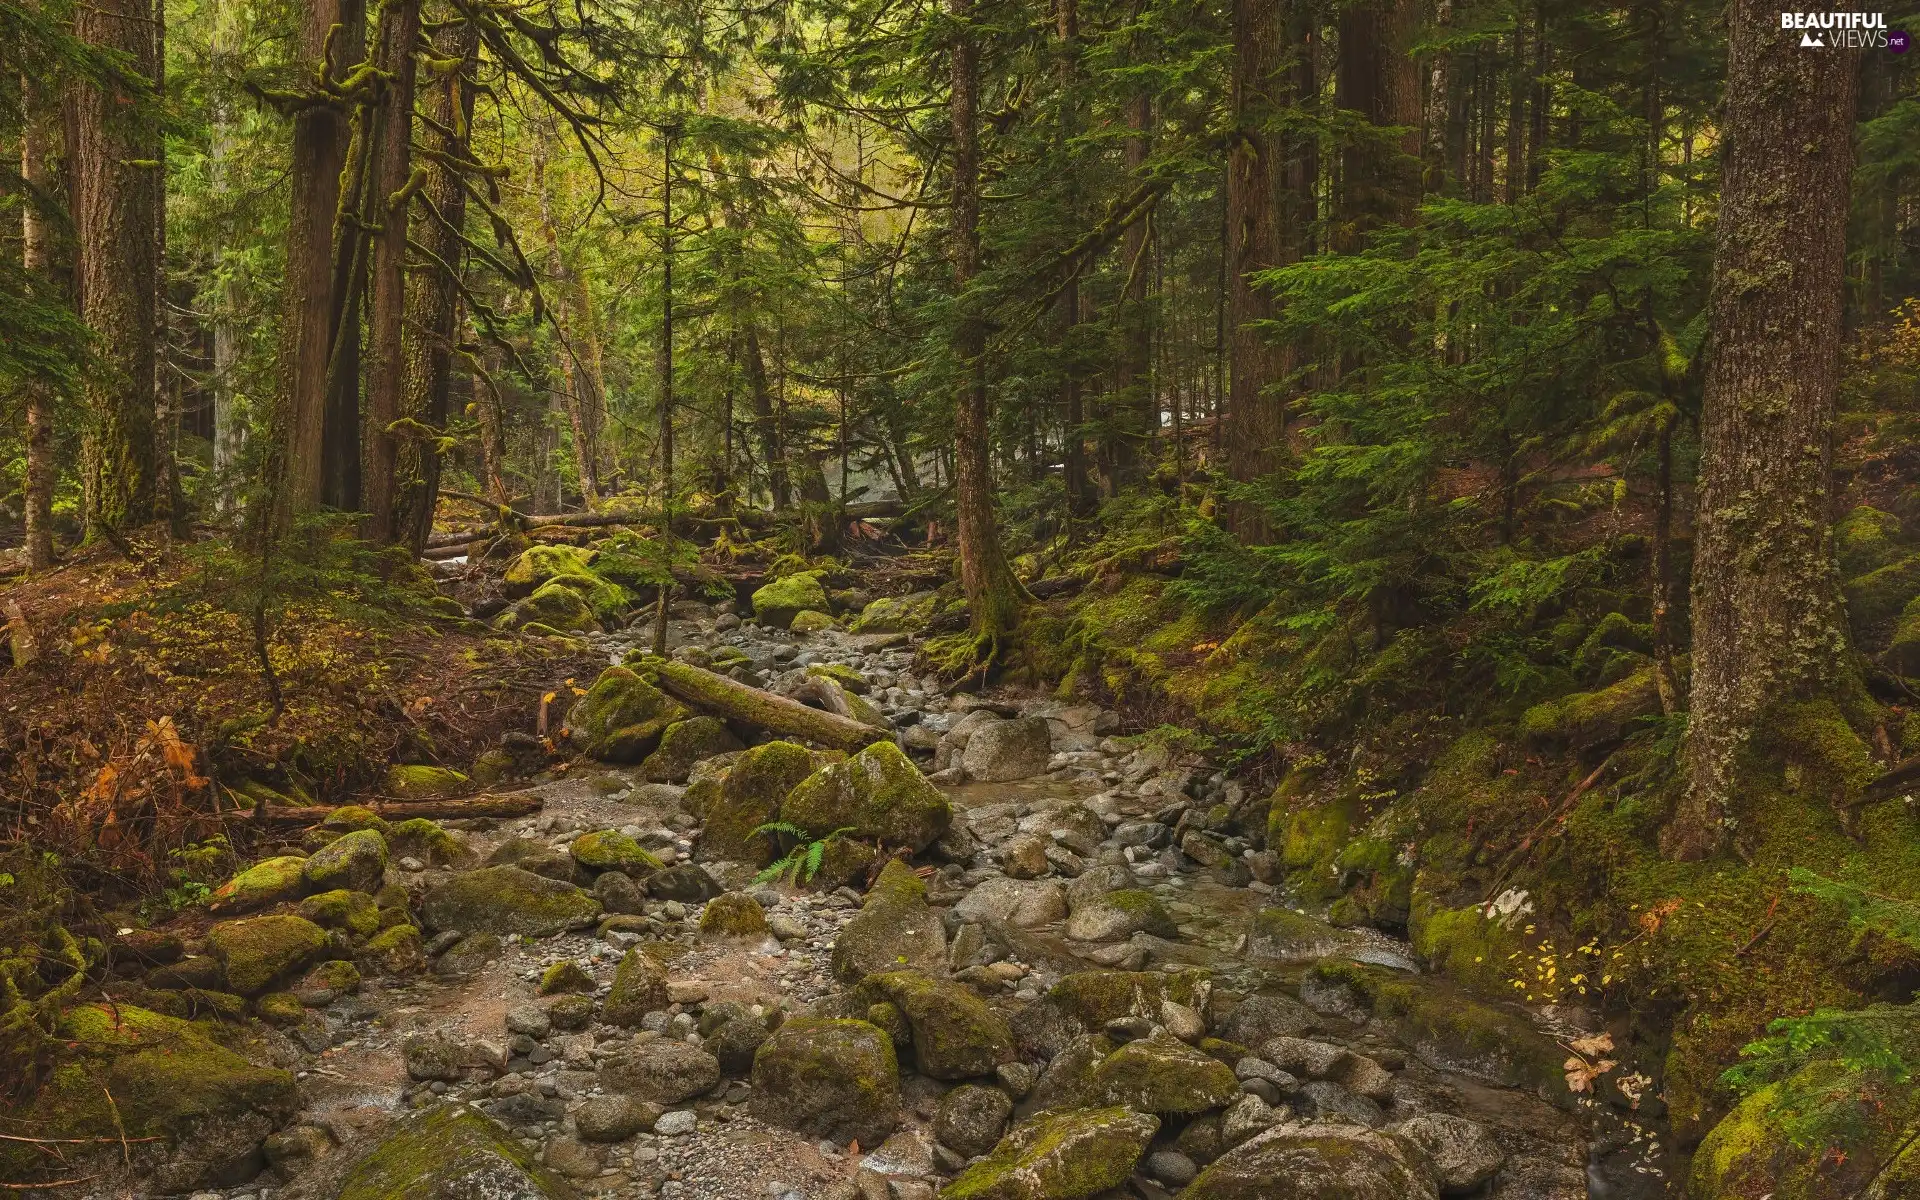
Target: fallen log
column 515, row 804
column 751, row 706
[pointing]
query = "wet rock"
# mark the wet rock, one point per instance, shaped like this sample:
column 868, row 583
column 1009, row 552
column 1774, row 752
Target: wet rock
column 355, row 861
column 661, row 1070
column 970, row 1119
column 1286, row 936
column 1161, row 1074
column 468, row 955
column 639, row 987
column 734, row 915
column 876, row 794
column 255, row 951
column 1025, row 857
column 894, row 928
column 1006, row 750
column 685, row 743
column 611, row 850
column 1266, row 1015
column 265, row 883
column 1027, row 904
column 685, row 882
column 622, row 717
column 1462, row 1153
column 1064, row 1156
column 1348, row 1161
column 1121, row 914
column 828, row 1079
column 1172, row 1168
column 617, row 892
column 503, row 900
column 955, row 1034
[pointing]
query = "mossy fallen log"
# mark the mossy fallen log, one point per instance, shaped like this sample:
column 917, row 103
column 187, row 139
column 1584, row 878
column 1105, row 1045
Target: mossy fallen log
column 750, row 705
column 513, row 805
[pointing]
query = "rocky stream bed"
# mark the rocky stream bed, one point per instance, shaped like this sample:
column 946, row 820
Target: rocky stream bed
column 1034, row 963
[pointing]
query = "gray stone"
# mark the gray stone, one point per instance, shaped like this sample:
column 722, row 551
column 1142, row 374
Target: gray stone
column 1003, row 750
column 1328, row 1101
column 1172, row 1168
column 1247, row 1116
column 1463, row 1153
column 1027, row 903
column 676, row 1123
column 1316, row 1060
column 1348, row 1161
column 529, row 1019
column 970, row 1118
column 661, row 1070
column 614, row 1118
column 1266, row 1015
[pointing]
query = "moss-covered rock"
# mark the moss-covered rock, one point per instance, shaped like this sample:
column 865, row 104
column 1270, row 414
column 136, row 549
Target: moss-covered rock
column 335, row 977
column 1092, row 998
column 608, row 601
column 878, row 793
column 396, row 950
column 1752, row 1151
column 1344, row 1161
column 749, row 797
column 639, row 987
column 491, row 767
column 1875, row 598
column 1282, row 935
column 505, row 900
column 1162, row 1074
column 893, row 929
column 955, row 1034
column 256, row 951
column 828, row 1079
column 280, row 1008
column 778, row 602
column 896, row 614
column 808, row 620
column 1585, row 720
column 1463, row 944
column 422, row 839
column 1452, row 1032
column 1118, row 915
column 349, row 817
column 1865, row 540
column 685, row 743
column 451, row 1153
column 565, row 976
column 129, row 1071
column 734, row 915
column 621, row 717
column 537, row 564
column 844, row 862
column 345, row 909
column 421, row 782
column 611, row 850
column 267, row 882
column 842, row 674
column 554, row 607
column 1059, row 1156
column 1309, row 839
column 355, row 860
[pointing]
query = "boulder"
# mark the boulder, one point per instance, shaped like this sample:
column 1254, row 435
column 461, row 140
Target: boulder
column 1348, row 1161
column 503, row 900
column 749, row 797
column 565, row 976
column 468, row 955
column 354, row 912
column 662, row 1071
column 969, row 1119
column 1266, row 1015
column 1116, row 916
column 397, row 950
column 422, row 839
column 255, row 951
column 419, row 782
column 685, row 743
column 614, row 1118
column 777, row 603
column 554, row 606
column 808, row 620
column 530, row 854
column 537, row 564
column 265, row 883
column 639, row 987
column 622, row 717
column 450, row 1153
column 685, row 882
column 1285, row 936
column 876, row 794
column 828, row 1079
column 1059, row 1156
column 735, row 1042
column 894, row 928
column 356, row 860
column 734, row 914
column 1027, row 903
column 895, row 614
column 1462, row 1153
column 1161, row 1074
column 611, row 850
column 1005, row 750
column 1092, row 998
column 955, row 1034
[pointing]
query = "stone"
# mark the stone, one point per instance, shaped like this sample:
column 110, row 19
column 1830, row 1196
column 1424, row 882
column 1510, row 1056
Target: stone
column 1025, row 857
column 1462, row 1153
column 970, row 1119
column 1119, row 915
column 808, row 620
column 538, row 564
column 554, row 608
column 450, row 1153
column 1161, row 1074
column 903, row 1153
column 397, row 950
column 355, row 861
column 826, row 1078
column 565, row 976
column 685, row 882
column 955, row 1034
column 1092, row 998
column 614, row 1118
column 893, row 929
column 777, row 603
column 1285, row 936
column 420, row 782
column 328, row 981
column 535, row 856
column 639, row 987
column 622, row 717
column 255, row 951
column 611, row 850
column 1172, row 1168
column 468, row 955
column 617, row 892
column 735, row 1042
column 1328, row 1101
column 677, row 1123
column 1028, row 904
column 1266, row 1015
column 1000, row 751
column 749, row 797
column 685, row 743
column 876, row 794
column 504, row 900
column 290, row 1151
column 1059, row 1156
column 1300, row 1056
column 1348, row 1161
column 1182, row 1021
column 354, row 912
column 265, row 883
column 422, row 839
column 1247, row 1117
column 529, row 1019
column 661, row 1070
column 571, row 1158
column 439, row 1055
column 734, row 915
column 570, row 1012
column 896, row 614
column 1365, row 1077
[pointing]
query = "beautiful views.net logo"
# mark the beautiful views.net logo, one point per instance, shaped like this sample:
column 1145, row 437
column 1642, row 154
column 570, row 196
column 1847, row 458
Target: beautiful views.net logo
column 1844, row 31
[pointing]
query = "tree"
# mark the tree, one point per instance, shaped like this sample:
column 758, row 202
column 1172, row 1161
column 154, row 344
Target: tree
column 37, row 135
column 393, row 185
column 1768, row 627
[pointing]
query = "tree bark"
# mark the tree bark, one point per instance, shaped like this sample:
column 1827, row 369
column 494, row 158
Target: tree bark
column 993, row 595
column 1768, row 625
column 36, row 255
column 118, row 175
column 331, row 40
column 751, row 706
column 561, row 299
column 1124, row 429
column 393, row 187
column 1072, row 385
column 229, row 423
column 432, row 313
column 1378, row 80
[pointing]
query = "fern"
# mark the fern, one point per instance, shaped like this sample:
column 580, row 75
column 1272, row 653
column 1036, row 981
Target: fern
column 1897, row 919
column 802, row 860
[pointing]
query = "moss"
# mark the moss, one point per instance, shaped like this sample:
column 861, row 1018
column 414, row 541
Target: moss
column 828, row 1078
column 266, row 882
column 426, row 783
column 639, row 987
column 1753, row 1149
column 258, row 950
column 1161, row 1074
column 280, row 1008
column 450, row 1152
column 734, row 914
column 397, row 950
column 1875, row 598
column 611, row 850
column 503, row 900
column 335, row 975
column 1059, row 1156
column 809, row 621
column 554, row 607
column 621, row 717
column 955, row 1034
column 491, row 767
column 538, row 564
column 1903, row 645
column 777, row 603
column 896, row 614
column 752, row 707
column 685, row 743
column 1864, row 540
column 608, row 601
column 1464, row 945
column 1452, row 1032
column 422, row 839
column 1095, row 997
column 1585, row 720
column 844, row 862
column 345, row 909
column 349, row 817
column 749, row 797
column 565, row 976
column 878, row 793
column 1309, row 841
column 352, row 860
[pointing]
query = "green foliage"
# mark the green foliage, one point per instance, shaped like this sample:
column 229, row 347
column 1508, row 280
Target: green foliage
column 804, row 853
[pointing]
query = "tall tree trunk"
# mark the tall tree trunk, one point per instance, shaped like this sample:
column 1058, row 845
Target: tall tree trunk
column 1072, row 384
column 331, row 40
column 393, row 190
column 229, row 423
column 37, row 134
column 169, row 501
column 562, row 300
column 1435, row 119
column 993, row 595
column 432, row 315
column 666, row 330
column 1517, row 86
column 1541, row 97
column 341, row 452
column 118, row 175
column 766, row 422
column 1768, row 625
column 1124, row 429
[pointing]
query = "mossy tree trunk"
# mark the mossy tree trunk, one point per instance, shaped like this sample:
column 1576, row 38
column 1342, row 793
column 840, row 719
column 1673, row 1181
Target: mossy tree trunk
column 1768, row 626
column 118, row 178
column 393, row 186
column 37, row 135
column 993, row 595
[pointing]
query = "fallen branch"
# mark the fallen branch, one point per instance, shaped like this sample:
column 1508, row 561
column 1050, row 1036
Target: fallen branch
column 518, row 804
column 752, row 706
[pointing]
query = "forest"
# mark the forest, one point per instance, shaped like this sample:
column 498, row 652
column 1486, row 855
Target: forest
column 863, row 599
